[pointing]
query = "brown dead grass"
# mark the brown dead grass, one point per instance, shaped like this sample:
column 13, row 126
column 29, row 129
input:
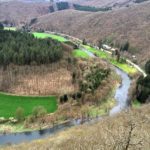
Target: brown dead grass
column 38, row 80
column 51, row 83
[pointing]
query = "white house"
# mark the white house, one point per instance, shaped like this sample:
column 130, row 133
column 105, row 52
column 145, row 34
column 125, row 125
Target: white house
column 106, row 47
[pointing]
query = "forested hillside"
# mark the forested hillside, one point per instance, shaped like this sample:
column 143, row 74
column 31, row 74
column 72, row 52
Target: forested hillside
column 143, row 86
column 19, row 12
column 118, row 26
column 23, row 49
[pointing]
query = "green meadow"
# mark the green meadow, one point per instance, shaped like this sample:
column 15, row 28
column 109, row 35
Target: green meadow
column 124, row 66
column 80, row 53
column 99, row 53
column 9, row 104
column 47, row 35
column 102, row 54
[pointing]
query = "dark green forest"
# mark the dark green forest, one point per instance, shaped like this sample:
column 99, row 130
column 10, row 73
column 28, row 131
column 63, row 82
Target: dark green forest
column 140, row 1
column 143, row 86
column 89, row 8
column 62, row 5
column 23, row 49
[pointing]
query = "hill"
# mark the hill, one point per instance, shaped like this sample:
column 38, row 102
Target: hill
column 33, row 66
column 106, row 3
column 118, row 26
column 17, row 12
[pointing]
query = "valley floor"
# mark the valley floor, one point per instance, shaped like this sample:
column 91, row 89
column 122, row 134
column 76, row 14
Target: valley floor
column 129, row 130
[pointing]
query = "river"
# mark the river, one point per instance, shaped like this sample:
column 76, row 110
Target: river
column 121, row 96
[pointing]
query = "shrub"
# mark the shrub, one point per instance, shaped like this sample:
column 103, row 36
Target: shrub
column 64, row 98
column 33, row 21
column 74, row 77
column 20, row 114
column 84, row 42
column 1, row 26
column 147, row 67
column 125, row 46
column 122, row 60
column 62, row 5
column 143, row 89
column 39, row 111
column 31, row 118
column 51, row 9
column 77, row 95
column 100, row 43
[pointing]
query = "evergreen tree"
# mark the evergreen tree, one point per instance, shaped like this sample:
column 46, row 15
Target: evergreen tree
column 147, row 67
column 23, row 49
column 126, row 46
column 1, row 26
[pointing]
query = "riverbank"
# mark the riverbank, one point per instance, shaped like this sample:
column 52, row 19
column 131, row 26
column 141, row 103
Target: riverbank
column 95, row 114
column 77, row 111
column 95, row 111
column 113, row 130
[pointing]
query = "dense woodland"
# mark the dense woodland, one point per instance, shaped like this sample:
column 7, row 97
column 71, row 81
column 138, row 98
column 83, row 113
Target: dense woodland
column 62, row 5
column 23, row 49
column 92, row 76
column 89, row 8
column 143, row 86
column 140, row 1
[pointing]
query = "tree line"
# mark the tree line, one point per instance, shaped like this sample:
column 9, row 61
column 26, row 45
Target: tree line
column 89, row 8
column 23, row 49
column 140, row 1
column 143, row 86
column 62, row 5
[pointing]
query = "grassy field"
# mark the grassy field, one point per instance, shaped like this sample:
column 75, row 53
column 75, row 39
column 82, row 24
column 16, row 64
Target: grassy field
column 125, row 67
column 9, row 104
column 103, row 109
column 102, row 54
column 80, row 53
column 99, row 53
column 47, row 35
column 10, row 28
column 42, row 35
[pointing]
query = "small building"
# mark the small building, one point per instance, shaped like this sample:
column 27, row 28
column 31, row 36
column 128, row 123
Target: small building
column 106, row 47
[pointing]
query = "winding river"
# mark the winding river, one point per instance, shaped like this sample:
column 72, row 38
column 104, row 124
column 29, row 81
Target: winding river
column 121, row 96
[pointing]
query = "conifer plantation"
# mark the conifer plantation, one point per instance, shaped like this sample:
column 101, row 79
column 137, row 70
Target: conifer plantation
column 23, row 49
